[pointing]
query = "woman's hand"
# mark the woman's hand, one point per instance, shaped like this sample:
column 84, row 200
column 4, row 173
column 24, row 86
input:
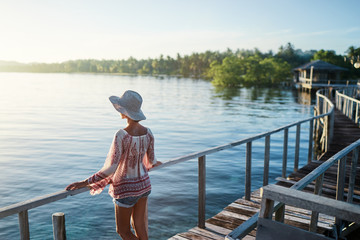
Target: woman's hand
column 77, row 185
column 157, row 164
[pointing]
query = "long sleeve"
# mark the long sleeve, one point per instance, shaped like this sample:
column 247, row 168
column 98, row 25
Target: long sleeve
column 99, row 180
column 149, row 158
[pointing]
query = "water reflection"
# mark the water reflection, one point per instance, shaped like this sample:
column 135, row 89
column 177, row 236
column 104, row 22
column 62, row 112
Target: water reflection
column 304, row 97
column 253, row 93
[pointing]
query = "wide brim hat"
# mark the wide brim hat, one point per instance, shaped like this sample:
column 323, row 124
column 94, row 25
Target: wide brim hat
column 129, row 104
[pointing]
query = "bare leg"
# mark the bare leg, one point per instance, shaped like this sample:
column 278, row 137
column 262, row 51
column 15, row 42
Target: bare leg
column 122, row 218
column 140, row 219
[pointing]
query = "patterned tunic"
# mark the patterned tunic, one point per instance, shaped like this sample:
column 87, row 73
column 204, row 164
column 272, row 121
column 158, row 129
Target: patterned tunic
column 126, row 166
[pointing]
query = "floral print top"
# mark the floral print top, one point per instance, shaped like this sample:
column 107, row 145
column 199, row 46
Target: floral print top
column 126, row 166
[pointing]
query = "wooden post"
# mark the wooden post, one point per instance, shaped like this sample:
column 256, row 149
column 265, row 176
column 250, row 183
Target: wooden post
column 315, row 215
column 24, row 225
column 280, row 214
column 340, row 184
column 266, row 161
column 248, row 172
column 357, row 114
column 310, row 150
column 266, row 206
column 202, row 191
column 284, row 165
column 355, row 155
column 58, row 220
column 297, row 148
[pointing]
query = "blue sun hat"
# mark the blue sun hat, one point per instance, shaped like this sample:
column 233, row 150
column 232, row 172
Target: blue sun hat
column 129, row 104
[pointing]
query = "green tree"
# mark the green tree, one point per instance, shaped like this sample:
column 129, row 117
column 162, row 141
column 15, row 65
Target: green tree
column 227, row 74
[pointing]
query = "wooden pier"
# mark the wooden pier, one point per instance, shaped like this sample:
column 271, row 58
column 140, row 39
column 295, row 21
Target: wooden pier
column 236, row 213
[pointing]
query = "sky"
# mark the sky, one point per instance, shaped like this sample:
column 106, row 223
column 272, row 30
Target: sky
column 56, row 31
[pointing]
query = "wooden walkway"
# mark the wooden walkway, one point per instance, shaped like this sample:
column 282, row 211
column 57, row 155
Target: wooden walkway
column 217, row 227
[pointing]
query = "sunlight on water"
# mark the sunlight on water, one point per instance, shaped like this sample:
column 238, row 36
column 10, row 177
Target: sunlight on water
column 57, row 128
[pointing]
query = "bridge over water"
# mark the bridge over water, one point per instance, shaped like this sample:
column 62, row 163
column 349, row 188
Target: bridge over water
column 331, row 177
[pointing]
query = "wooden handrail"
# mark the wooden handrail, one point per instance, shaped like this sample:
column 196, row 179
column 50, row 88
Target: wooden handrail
column 310, row 201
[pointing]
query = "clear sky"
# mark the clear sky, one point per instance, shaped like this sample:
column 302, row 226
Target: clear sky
column 56, row 31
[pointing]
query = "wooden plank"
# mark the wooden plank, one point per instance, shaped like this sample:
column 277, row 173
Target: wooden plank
column 207, row 233
column 177, row 237
column 214, row 228
column 242, row 230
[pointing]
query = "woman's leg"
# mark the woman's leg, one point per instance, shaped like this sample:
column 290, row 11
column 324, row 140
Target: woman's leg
column 140, row 219
column 122, row 218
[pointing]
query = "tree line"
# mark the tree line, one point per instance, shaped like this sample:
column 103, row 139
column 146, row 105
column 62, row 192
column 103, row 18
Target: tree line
column 227, row 68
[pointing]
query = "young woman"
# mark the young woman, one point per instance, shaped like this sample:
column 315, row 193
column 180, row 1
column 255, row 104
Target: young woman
column 126, row 169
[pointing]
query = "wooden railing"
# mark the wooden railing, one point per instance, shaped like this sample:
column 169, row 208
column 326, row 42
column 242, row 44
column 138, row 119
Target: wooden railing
column 324, row 128
column 349, row 106
column 295, row 197
column 323, row 82
column 323, row 120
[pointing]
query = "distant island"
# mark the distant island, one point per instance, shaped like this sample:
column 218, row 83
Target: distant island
column 226, row 69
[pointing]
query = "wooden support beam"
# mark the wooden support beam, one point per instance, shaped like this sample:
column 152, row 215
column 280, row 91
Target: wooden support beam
column 285, row 150
column 266, row 161
column 311, row 132
column 297, row 148
column 248, row 172
column 202, row 191
column 24, row 225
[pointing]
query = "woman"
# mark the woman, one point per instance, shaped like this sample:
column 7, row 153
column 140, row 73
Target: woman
column 126, row 169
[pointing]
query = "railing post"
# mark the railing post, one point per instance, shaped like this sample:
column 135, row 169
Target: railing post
column 357, row 114
column 315, row 215
column 202, row 191
column 297, row 148
column 266, row 161
column 284, row 164
column 310, row 150
column 248, row 172
column 280, row 214
column 340, row 185
column 355, row 155
column 24, row 225
column 58, row 220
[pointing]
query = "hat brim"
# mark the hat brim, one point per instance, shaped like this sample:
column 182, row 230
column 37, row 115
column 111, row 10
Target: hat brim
column 137, row 116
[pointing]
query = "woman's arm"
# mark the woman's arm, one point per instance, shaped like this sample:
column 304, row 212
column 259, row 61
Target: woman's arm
column 109, row 168
column 77, row 185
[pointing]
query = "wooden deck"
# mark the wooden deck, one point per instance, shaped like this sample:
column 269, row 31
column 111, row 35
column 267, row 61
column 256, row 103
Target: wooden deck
column 217, row 227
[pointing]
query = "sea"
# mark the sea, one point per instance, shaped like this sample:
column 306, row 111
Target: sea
column 56, row 128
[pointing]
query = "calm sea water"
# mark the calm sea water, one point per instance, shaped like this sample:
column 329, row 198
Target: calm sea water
column 57, row 128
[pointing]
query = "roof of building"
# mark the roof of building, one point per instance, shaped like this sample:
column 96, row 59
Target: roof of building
column 320, row 65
